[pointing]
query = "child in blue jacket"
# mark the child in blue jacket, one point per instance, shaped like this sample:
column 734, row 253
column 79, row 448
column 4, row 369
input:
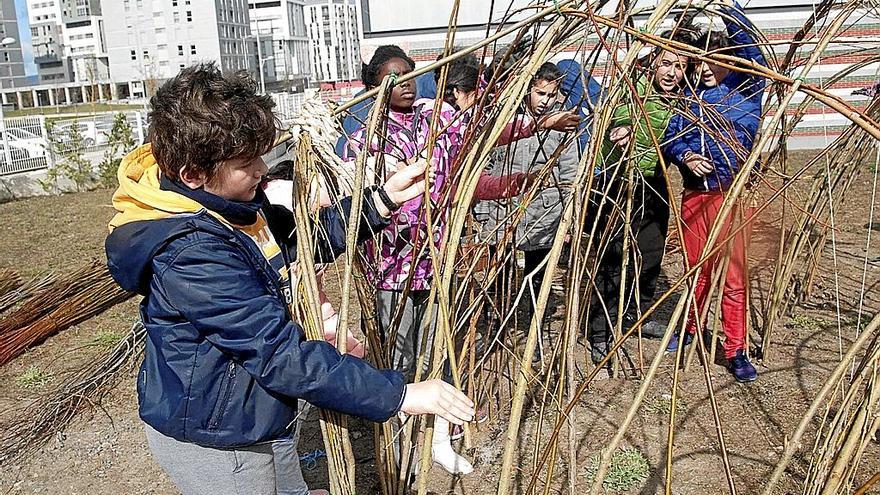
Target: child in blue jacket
column 709, row 141
column 224, row 364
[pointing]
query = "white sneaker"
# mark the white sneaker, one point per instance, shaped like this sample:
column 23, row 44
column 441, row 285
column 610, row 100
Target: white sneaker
column 442, row 453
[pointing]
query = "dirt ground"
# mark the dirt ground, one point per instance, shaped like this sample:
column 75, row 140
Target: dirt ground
column 104, row 451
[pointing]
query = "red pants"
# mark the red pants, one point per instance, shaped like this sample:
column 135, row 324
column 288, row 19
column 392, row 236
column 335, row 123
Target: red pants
column 698, row 213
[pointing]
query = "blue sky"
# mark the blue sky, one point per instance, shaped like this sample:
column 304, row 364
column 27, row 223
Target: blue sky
column 24, row 32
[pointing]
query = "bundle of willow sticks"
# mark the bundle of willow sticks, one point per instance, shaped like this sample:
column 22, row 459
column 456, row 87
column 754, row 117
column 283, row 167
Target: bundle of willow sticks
column 25, row 427
column 49, row 304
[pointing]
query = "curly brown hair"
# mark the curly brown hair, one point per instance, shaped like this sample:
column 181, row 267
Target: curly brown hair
column 202, row 117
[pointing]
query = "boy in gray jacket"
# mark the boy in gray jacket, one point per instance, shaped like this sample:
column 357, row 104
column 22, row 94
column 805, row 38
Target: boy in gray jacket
column 541, row 216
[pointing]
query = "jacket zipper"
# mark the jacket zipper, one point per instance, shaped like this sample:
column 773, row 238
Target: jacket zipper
column 224, row 399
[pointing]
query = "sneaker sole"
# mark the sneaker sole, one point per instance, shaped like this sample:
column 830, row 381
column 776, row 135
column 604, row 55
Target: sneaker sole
column 750, row 380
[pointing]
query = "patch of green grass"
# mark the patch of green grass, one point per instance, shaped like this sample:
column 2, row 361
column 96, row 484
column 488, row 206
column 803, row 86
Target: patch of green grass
column 34, row 377
column 806, row 322
column 106, row 339
column 629, row 468
column 662, row 404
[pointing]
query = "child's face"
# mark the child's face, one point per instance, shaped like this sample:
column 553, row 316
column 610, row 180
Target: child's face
column 711, row 75
column 463, row 99
column 542, row 96
column 402, row 94
column 238, row 179
column 669, row 70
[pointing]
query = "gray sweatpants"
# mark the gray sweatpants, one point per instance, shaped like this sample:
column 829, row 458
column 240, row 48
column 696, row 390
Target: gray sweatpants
column 414, row 332
column 264, row 469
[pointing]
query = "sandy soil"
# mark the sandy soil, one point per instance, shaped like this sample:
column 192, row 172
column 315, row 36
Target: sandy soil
column 103, row 451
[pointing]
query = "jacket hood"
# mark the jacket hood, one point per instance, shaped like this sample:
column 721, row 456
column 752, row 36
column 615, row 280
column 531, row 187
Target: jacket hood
column 139, row 196
column 147, row 218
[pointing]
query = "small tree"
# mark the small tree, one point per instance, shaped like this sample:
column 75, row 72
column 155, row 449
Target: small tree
column 120, row 140
column 67, row 146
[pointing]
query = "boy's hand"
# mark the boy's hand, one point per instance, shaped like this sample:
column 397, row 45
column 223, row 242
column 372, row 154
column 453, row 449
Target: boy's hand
column 621, row 135
column 699, row 164
column 440, row 398
column 566, row 121
column 404, row 185
column 407, row 183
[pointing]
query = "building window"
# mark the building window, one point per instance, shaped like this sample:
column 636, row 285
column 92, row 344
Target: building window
column 134, row 55
column 189, row 16
column 180, row 50
column 176, row 17
column 192, row 49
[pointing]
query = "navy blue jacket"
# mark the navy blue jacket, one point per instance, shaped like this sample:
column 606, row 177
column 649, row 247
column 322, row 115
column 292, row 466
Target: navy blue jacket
column 720, row 123
column 579, row 96
column 224, row 363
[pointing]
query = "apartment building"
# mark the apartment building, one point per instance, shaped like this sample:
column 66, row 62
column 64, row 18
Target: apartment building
column 151, row 40
column 68, row 41
column 334, row 30
column 11, row 61
column 283, row 55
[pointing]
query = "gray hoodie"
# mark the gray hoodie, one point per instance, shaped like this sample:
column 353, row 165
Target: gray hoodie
column 542, row 215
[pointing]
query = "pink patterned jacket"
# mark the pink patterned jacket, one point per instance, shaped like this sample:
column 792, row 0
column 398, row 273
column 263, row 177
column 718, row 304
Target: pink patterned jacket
column 406, row 137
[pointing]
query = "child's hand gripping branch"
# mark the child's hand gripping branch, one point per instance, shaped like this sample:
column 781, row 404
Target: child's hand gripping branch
column 621, row 136
column 406, row 184
column 562, row 121
column 698, row 164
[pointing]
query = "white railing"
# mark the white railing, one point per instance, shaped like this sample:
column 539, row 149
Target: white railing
column 287, row 105
column 29, row 150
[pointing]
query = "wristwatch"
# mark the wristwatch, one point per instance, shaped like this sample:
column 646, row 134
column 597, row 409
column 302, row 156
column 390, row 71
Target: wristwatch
column 386, row 200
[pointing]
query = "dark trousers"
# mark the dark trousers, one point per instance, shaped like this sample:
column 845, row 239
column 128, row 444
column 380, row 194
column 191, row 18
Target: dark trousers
column 649, row 221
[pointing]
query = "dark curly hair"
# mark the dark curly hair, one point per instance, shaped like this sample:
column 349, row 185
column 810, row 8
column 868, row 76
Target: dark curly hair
column 370, row 71
column 547, row 72
column 715, row 41
column 201, row 117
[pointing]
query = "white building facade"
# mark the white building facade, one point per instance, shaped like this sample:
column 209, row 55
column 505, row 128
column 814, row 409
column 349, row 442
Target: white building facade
column 283, row 54
column 151, row 40
column 335, row 33
column 11, row 59
column 68, row 41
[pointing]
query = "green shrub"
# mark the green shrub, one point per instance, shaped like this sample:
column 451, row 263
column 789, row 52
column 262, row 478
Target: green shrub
column 34, row 377
column 629, row 468
column 68, row 149
column 120, row 141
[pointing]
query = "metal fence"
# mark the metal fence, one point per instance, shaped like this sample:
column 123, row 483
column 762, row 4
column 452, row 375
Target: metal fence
column 27, row 139
column 287, row 105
